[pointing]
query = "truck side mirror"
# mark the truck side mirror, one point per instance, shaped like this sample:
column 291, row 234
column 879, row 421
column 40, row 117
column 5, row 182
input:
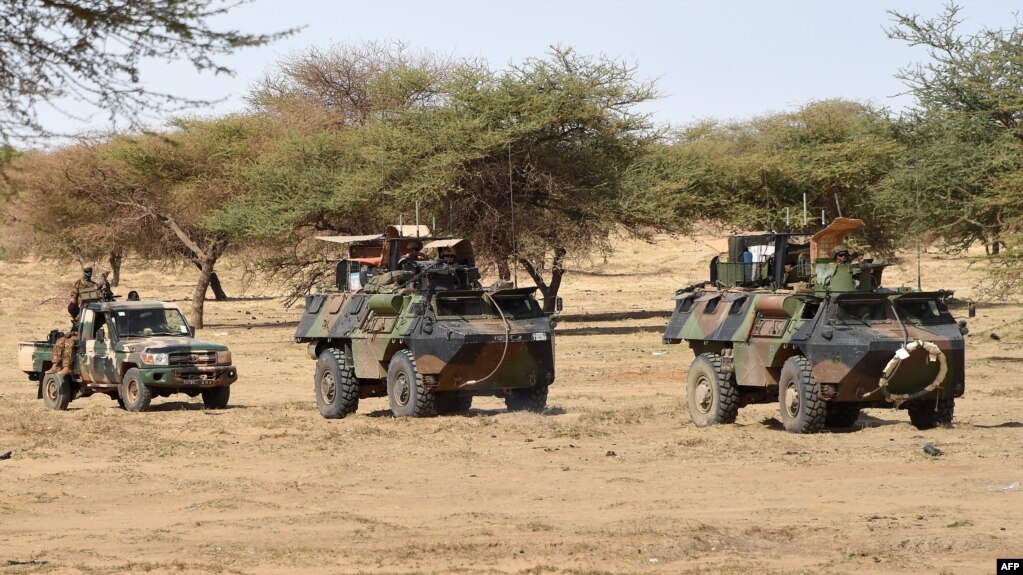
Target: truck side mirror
column 972, row 309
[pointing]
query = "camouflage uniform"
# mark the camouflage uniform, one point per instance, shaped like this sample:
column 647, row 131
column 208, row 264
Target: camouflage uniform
column 64, row 350
column 64, row 347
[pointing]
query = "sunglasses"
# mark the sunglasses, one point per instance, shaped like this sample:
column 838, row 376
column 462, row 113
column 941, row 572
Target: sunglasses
column 842, row 254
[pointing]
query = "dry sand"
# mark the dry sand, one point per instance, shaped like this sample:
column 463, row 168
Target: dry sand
column 613, row 479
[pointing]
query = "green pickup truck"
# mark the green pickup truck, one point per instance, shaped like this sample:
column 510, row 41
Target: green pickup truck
column 132, row 351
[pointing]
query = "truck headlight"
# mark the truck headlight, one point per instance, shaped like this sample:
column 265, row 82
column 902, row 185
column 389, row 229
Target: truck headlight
column 154, row 358
column 224, row 358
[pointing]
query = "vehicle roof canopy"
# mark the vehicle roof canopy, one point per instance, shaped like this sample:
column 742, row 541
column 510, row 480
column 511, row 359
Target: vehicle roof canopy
column 825, row 240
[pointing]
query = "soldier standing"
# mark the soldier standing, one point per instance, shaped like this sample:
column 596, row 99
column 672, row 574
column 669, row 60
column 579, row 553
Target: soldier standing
column 64, row 347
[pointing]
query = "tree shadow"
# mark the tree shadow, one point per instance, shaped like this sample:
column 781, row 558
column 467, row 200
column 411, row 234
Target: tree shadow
column 1007, row 424
column 615, row 316
column 627, row 330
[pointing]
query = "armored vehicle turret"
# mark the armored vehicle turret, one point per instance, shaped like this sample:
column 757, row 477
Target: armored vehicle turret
column 791, row 318
column 408, row 318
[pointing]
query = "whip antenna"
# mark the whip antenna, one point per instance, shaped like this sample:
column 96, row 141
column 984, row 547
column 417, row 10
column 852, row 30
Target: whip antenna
column 511, row 200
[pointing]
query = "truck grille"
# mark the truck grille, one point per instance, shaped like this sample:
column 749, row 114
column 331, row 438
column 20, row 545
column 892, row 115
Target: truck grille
column 193, row 358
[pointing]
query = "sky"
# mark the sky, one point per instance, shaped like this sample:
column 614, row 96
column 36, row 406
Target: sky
column 724, row 60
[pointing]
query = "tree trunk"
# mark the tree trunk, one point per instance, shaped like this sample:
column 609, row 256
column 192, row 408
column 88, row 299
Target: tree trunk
column 114, row 259
column 996, row 247
column 199, row 295
column 218, row 290
column 503, row 270
column 549, row 291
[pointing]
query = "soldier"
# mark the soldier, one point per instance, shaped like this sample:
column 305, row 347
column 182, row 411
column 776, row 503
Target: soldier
column 840, row 255
column 415, row 253
column 64, row 347
column 448, row 258
column 84, row 283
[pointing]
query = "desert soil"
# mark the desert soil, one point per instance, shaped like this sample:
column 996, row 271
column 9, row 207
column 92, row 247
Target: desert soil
column 614, row 478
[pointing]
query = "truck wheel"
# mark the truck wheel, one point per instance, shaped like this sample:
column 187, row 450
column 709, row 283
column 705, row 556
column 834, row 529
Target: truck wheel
column 711, row 394
column 56, row 391
column 135, row 394
column 216, row 398
column 926, row 413
column 337, row 390
column 802, row 410
column 527, row 399
column 452, row 402
column 841, row 414
column 406, row 394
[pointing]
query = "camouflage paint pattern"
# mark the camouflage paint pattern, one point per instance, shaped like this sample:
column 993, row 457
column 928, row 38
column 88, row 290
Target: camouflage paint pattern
column 100, row 363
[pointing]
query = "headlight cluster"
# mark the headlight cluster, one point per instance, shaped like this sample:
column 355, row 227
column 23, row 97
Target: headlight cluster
column 154, row 358
column 223, row 358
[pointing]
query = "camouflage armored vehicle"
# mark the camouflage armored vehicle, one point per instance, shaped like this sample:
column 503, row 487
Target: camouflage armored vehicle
column 132, row 351
column 782, row 320
column 423, row 332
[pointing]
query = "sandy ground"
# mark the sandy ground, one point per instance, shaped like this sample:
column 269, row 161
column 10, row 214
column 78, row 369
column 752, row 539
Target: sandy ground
column 613, row 479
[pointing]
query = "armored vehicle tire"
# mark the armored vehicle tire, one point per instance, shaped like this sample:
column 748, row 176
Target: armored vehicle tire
column 452, row 402
column 841, row 415
column 711, row 395
column 406, row 394
column 135, row 394
column 337, row 390
column 532, row 399
column 926, row 413
column 56, row 391
column 216, row 398
column 802, row 410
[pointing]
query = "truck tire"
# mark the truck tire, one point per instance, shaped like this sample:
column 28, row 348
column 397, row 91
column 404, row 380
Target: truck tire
column 841, row 415
column 56, row 391
column 135, row 394
column 216, row 398
column 926, row 413
column 337, row 390
column 711, row 395
column 406, row 394
column 452, row 402
column 532, row 399
column 802, row 410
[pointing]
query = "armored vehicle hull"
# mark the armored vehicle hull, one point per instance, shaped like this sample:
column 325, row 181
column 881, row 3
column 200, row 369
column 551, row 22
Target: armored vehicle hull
column 428, row 338
column 822, row 349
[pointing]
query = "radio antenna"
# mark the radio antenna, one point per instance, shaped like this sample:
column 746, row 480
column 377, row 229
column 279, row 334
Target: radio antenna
column 511, row 200
column 804, row 211
column 417, row 218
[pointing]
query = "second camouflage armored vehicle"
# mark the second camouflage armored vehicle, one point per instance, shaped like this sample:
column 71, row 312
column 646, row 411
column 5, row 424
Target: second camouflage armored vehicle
column 132, row 351
column 782, row 321
column 423, row 332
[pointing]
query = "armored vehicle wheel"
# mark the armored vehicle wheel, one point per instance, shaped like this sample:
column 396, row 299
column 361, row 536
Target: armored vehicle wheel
column 527, row 399
column 711, row 394
column 926, row 413
column 451, row 402
column 802, row 410
column 406, row 394
column 135, row 394
column 216, row 398
column 841, row 414
column 337, row 390
column 56, row 391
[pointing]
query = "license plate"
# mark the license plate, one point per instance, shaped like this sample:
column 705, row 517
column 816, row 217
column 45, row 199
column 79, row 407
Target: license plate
column 539, row 337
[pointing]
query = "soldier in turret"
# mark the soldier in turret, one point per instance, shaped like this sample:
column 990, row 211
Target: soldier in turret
column 82, row 284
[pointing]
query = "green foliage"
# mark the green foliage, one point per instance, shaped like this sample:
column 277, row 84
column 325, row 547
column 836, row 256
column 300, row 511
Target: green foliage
column 90, row 51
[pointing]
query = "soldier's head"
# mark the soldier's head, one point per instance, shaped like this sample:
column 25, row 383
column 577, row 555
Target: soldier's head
column 73, row 309
column 415, row 247
column 133, row 295
column 840, row 254
column 87, row 273
column 448, row 257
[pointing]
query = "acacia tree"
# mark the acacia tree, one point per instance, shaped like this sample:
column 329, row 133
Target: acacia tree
column 91, row 51
column 746, row 174
column 961, row 176
column 152, row 193
column 528, row 162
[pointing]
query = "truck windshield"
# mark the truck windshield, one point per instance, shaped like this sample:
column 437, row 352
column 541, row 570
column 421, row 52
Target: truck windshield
column 861, row 310
column 147, row 322
column 923, row 310
column 463, row 306
column 519, row 307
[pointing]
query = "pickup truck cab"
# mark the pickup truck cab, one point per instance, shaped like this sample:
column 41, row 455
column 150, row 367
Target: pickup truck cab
column 132, row 351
